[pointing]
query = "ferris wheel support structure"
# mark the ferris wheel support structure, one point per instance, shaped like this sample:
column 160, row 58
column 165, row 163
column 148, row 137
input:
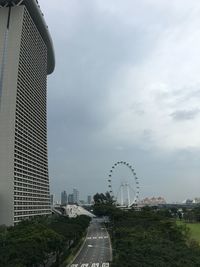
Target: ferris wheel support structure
column 125, row 186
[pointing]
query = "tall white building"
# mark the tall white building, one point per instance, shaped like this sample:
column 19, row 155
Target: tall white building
column 26, row 57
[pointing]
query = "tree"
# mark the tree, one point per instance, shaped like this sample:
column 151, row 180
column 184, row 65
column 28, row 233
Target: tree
column 148, row 238
column 103, row 198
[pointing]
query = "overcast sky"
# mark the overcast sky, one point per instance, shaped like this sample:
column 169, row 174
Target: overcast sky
column 126, row 87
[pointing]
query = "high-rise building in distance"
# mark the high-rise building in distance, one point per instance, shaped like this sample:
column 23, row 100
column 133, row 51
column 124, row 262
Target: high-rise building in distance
column 89, row 199
column 26, row 57
column 76, row 196
column 70, row 199
column 52, row 199
column 64, row 198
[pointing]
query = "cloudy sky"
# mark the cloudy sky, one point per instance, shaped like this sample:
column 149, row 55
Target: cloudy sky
column 126, row 87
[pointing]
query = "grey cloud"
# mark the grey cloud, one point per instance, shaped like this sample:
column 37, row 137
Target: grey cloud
column 181, row 115
column 194, row 93
column 91, row 46
column 87, row 62
column 186, row 93
column 138, row 108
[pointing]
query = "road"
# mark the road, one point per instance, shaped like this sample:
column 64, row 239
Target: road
column 96, row 250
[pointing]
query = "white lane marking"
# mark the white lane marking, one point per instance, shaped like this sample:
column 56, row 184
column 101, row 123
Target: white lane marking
column 95, row 264
column 97, row 237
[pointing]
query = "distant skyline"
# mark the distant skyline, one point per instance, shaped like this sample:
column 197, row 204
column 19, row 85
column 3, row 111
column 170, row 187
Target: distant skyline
column 126, row 87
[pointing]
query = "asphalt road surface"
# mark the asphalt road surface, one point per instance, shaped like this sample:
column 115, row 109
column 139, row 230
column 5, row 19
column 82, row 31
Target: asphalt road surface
column 96, row 250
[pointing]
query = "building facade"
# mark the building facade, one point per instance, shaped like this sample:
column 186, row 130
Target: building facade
column 52, row 197
column 64, row 199
column 70, row 199
column 89, row 199
column 75, row 196
column 26, row 57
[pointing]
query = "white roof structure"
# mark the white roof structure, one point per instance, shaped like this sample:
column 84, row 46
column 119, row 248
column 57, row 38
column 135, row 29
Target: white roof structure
column 73, row 211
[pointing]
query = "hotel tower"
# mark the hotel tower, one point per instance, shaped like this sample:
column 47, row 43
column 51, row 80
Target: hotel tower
column 26, row 58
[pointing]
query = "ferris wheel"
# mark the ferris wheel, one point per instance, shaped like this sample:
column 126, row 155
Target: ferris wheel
column 123, row 184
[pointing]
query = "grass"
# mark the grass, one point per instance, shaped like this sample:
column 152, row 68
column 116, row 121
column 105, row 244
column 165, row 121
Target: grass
column 194, row 230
